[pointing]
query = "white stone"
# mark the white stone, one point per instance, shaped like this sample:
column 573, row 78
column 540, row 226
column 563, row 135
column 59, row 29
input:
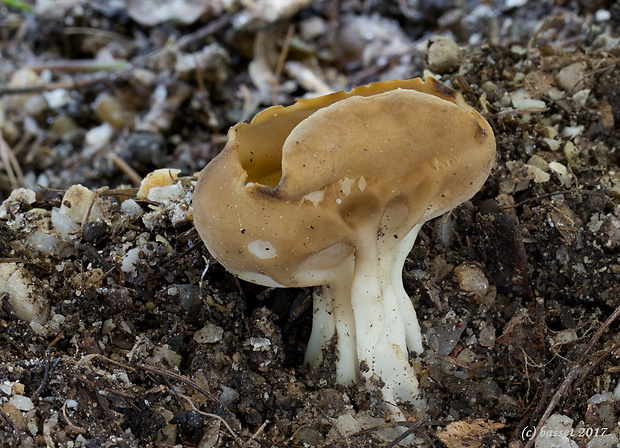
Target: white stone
column 64, row 225
column 33, row 428
column 521, row 99
column 564, row 337
column 569, row 76
column 132, row 208
column 25, row 298
column 579, row 99
column 528, row 104
column 166, row 194
column 132, row 257
column 346, row 424
column 22, row 403
column 602, row 15
column 487, row 336
column 260, row 344
column 19, row 194
column 561, row 172
column 75, row 203
column 48, row 244
column 6, row 387
column 228, row 395
column 209, row 334
column 539, row 175
column 57, row 98
column 443, row 54
column 603, row 441
column 596, row 399
column 555, row 433
column 166, row 353
column 552, row 143
column 99, row 136
column 158, row 178
column 312, row 28
column 471, row 279
column 572, row 131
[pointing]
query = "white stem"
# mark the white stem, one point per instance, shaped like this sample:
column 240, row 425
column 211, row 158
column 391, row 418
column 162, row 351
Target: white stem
column 333, row 315
column 410, row 318
column 323, row 325
column 347, row 365
column 366, row 305
column 382, row 315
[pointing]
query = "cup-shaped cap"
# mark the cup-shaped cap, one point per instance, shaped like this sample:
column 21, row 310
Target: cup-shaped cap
column 298, row 189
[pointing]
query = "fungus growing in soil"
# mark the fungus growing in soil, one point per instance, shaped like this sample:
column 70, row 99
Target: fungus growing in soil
column 332, row 192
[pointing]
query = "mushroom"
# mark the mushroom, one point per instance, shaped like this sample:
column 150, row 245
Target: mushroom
column 332, row 192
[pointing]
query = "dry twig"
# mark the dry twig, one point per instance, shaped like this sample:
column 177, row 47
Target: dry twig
column 11, row 165
column 74, row 428
column 281, row 60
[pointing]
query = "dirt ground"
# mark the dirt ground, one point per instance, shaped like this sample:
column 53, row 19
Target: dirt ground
column 113, row 334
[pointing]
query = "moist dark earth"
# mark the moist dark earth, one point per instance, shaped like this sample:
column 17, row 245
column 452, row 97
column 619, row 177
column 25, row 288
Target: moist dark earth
column 140, row 338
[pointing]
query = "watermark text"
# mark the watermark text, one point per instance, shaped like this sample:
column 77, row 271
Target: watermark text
column 530, row 432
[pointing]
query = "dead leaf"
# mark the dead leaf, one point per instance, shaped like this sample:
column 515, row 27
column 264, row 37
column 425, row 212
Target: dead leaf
column 504, row 254
column 464, row 434
column 607, row 116
column 538, row 82
column 523, row 339
column 565, row 221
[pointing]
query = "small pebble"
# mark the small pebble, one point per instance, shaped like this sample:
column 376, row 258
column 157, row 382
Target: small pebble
column 555, row 434
column 75, row 203
column 16, row 198
column 111, row 110
column 132, row 209
column 6, row 387
column 99, row 136
column 570, row 75
column 133, row 256
column 25, row 299
column 228, row 395
column 521, row 99
column 471, row 279
column 562, row 173
column 165, row 353
column 603, row 441
column 22, row 403
column 607, row 397
column 166, row 193
column 209, row 334
column 443, row 55
column 64, row 225
column 486, row 338
column 158, row 178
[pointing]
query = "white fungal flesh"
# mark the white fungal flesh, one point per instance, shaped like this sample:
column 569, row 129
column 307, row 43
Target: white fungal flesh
column 345, row 185
column 315, row 197
column 262, row 249
column 367, row 307
column 361, row 184
column 259, row 279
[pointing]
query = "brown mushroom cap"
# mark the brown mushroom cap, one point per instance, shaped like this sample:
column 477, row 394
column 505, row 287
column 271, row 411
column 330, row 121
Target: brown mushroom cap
column 297, row 191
